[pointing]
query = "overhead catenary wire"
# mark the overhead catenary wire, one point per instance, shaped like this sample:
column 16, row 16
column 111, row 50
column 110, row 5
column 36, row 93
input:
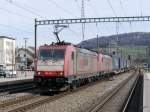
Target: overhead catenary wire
column 123, row 9
column 93, row 10
column 141, row 12
column 60, row 7
column 77, row 4
column 96, row 13
column 24, row 8
column 74, row 32
column 117, row 23
column 64, row 10
column 124, row 12
column 97, row 24
column 15, row 28
column 114, row 12
column 14, row 13
column 33, row 8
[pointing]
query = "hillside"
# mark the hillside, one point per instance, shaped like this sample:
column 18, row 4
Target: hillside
column 126, row 39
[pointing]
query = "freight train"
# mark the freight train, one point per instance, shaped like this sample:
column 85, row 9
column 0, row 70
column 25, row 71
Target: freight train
column 59, row 67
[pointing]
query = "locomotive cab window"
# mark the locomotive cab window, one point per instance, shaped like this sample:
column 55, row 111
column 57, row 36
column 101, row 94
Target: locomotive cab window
column 54, row 54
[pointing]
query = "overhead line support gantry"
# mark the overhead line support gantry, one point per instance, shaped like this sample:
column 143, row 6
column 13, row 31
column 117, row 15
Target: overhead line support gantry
column 87, row 20
column 93, row 20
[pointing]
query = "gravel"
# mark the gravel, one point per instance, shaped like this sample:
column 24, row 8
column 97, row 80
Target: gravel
column 8, row 97
column 118, row 99
column 81, row 100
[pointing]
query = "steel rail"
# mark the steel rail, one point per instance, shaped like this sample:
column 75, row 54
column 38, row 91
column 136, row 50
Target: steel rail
column 49, row 99
column 52, row 98
column 99, row 105
column 26, row 98
column 44, row 100
column 130, row 95
column 12, row 102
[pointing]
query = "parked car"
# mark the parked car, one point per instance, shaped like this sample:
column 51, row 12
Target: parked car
column 2, row 73
column 11, row 73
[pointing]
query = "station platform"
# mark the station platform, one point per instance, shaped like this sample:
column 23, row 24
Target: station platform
column 146, row 93
column 21, row 77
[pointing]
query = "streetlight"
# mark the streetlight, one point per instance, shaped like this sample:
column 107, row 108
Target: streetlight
column 25, row 41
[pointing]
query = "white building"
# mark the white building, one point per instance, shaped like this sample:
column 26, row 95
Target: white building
column 7, row 52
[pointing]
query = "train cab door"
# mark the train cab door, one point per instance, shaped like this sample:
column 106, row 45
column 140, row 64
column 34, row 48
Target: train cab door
column 73, row 62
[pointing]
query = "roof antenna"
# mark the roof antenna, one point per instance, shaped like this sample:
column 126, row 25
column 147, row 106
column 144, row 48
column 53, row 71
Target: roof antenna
column 57, row 30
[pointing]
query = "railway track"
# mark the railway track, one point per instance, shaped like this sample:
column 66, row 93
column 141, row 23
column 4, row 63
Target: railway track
column 37, row 102
column 136, row 96
column 9, row 89
column 30, row 102
column 99, row 106
column 11, row 102
column 129, row 97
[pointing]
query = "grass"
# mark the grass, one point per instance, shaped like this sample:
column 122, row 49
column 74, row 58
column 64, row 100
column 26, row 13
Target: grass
column 136, row 52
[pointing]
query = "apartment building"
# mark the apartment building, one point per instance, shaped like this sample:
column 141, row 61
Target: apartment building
column 7, row 52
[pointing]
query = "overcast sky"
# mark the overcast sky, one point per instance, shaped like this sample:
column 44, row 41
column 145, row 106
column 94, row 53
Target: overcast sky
column 17, row 18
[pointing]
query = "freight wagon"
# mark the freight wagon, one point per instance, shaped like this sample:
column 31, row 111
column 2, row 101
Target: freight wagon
column 115, row 62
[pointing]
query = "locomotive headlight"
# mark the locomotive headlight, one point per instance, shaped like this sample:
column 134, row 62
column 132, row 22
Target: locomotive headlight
column 39, row 73
column 61, row 73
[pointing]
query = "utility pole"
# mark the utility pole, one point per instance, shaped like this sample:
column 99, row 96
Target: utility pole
column 97, row 43
column 12, row 57
column 35, row 45
column 117, row 39
column 25, row 41
column 83, row 16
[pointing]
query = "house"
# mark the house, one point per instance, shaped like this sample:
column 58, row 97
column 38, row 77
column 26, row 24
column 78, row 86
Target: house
column 25, row 58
